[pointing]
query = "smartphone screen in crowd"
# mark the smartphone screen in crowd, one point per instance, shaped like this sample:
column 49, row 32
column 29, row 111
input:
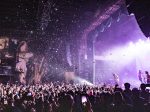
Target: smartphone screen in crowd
column 29, row 94
column 83, row 99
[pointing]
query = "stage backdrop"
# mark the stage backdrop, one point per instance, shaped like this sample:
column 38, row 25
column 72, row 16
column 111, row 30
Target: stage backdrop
column 112, row 51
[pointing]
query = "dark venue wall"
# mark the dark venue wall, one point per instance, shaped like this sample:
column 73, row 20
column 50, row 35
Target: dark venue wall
column 141, row 10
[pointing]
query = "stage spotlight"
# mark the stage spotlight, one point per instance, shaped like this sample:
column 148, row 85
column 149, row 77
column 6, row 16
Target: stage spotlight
column 82, row 81
column 109, row 22
column 85, row 56
column 119, row 14
column 102, row 29
column 139, row 40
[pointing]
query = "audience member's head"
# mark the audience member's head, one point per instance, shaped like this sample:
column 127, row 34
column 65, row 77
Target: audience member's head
column 146, row 72
column 66, row 103
column 135, row 93
column 118, row 98
column 127, row 86
column 143, row 87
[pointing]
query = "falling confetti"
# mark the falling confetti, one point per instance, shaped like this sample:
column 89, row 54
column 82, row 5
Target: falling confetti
column 49, row 26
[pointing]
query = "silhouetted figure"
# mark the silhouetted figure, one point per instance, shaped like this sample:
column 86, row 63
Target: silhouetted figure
column 119, row 104
column 66, row 103
column 143, row 93
column 140, row 76
column 138, row 102
column 127, row 93
column 148, row 77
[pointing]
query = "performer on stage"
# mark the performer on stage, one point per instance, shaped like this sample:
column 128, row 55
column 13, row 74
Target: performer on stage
column 22, row 58
column 116, row 78
column 140, row 76
column 147, row 77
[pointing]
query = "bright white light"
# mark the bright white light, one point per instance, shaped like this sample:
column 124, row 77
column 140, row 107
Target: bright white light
column 85, row 56
column 82, row 81
column 125, row 54
column 148, row 39
column 131, row 44
column 132, row 14
column 140, row 41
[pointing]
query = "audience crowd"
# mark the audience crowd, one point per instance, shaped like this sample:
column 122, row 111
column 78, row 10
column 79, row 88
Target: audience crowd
column 61, row 97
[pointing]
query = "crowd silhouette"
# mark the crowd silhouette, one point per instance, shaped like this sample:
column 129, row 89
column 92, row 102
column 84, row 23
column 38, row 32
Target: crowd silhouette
column 61, row 97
